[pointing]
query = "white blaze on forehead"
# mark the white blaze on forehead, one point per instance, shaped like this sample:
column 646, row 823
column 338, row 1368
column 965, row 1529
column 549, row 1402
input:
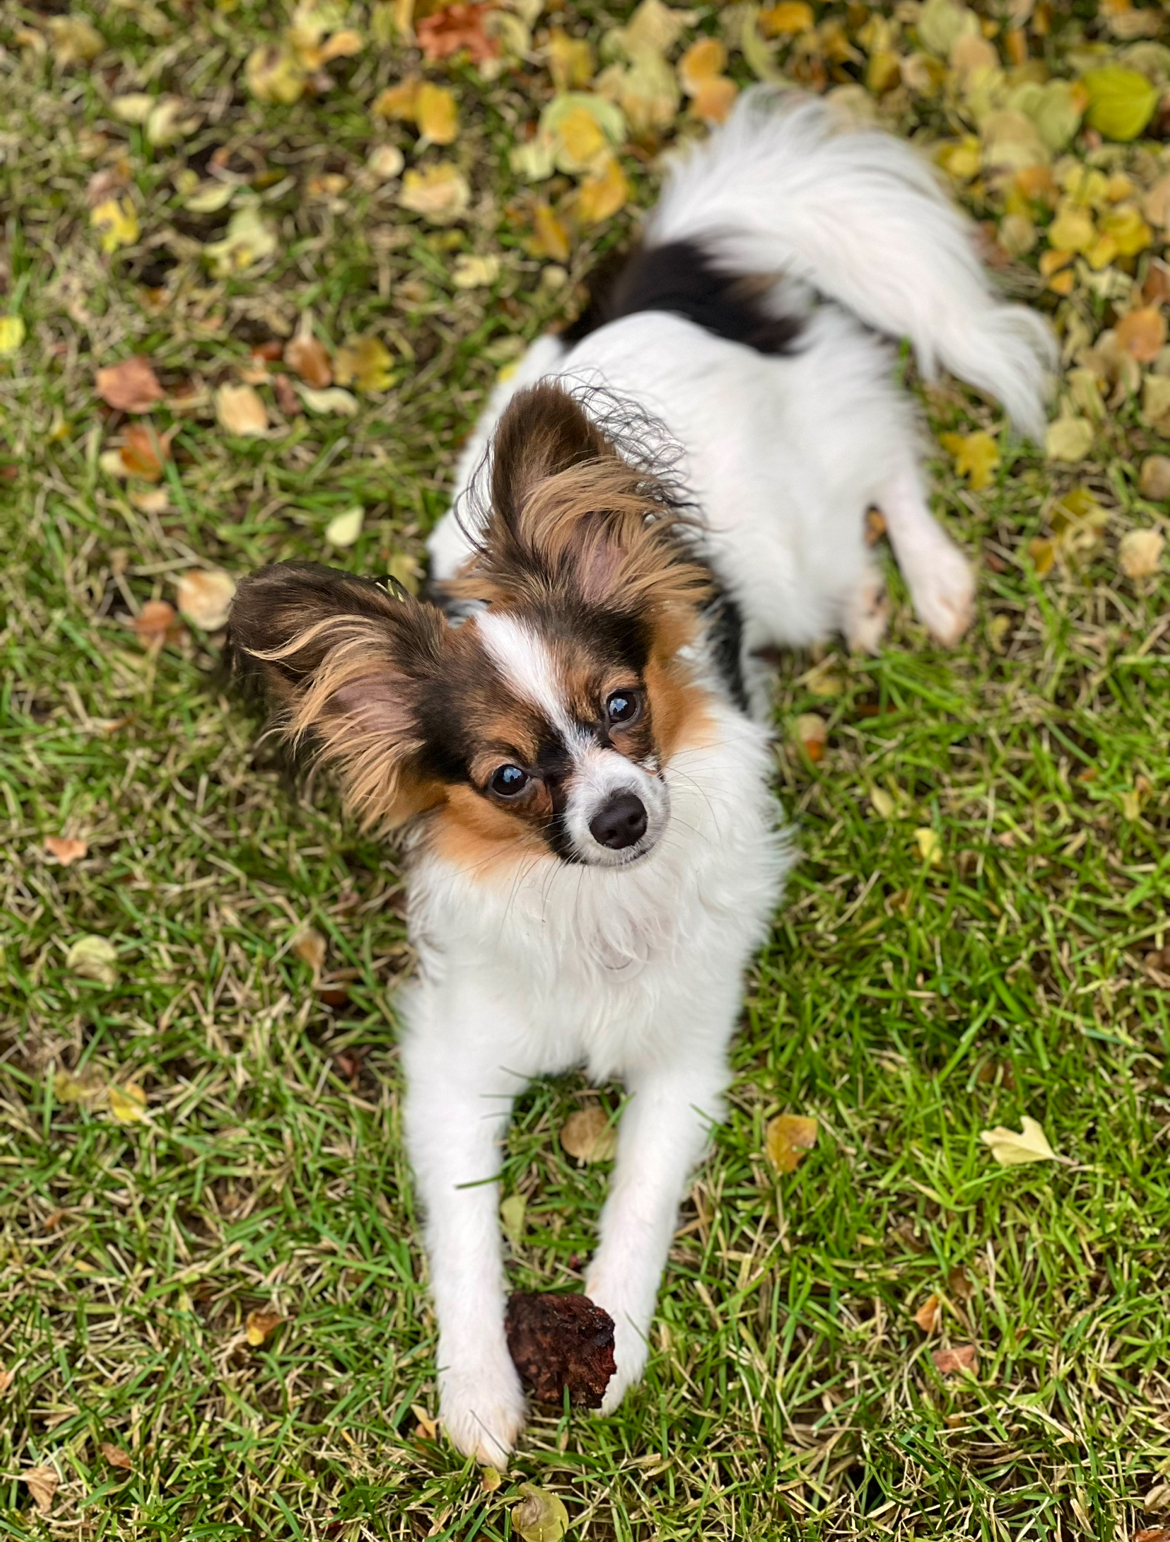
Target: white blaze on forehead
column 523, row 658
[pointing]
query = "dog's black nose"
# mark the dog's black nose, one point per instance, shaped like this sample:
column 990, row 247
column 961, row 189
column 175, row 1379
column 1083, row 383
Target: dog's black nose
column 620, row 822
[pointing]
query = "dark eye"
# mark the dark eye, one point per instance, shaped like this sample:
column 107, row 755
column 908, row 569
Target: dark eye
column 623, row 707
column 508, row 781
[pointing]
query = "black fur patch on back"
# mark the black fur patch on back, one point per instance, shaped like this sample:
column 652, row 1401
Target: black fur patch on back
column 683, row 279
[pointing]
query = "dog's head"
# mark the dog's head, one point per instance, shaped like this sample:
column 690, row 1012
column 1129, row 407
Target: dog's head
column 543, row 722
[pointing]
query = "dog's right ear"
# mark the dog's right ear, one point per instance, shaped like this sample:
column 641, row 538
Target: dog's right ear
column 349, row 663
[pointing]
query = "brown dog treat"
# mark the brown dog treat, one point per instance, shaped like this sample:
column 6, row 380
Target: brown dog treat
column 558, row 1342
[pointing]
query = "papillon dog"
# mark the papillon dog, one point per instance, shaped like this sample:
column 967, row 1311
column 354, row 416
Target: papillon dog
column 571, row 737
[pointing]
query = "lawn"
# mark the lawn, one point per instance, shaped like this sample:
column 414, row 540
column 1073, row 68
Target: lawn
column 214, row 1321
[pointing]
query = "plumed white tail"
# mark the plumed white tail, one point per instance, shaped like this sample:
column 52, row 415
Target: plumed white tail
column 785, row 187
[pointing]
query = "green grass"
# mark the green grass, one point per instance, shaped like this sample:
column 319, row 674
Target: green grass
column 907, row 1007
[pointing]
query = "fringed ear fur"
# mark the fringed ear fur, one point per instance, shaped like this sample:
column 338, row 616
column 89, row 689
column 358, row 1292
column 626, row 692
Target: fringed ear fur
column 569, row 514
column 348, row 662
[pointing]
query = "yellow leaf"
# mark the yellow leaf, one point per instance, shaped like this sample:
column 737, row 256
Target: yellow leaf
column 133, row 107
column 69, row 1089
column 929, row 845
column 703, row 60
column 824, row 679
column 342, row 45
column 589, row 1136
column 883, row 804
column 550, row 238
column 74, row 40
column 93, row 958
column 976, row 457
column 1142, row 333
column 11, row 333
column 248, row 240
column 258, row 1325
column 512, row 1215
column 570, row 60
column 489, row 1479
column 941, row 23
column 1127, row 229
column 1012, row 1149
column 788, row 1139
column 399, row 103
column 440, row 193
column 540, row 1516
column 332, row 401
column 475, row 272
column 787, row 18
column 116, row 221
column 1069, row 438
column 386, row 161
column 344, row 529
column 603, row 194
column 580, row 141
column 1043, row 555
column 1121, row 102
column 128, row 1103
column 960, row 159
column 274, row 75
column 714, row 99
column 811, row 733
column 241, row 411
column 1139, row 554
column 365, row 363
column 1072, row 230
column 436, row 114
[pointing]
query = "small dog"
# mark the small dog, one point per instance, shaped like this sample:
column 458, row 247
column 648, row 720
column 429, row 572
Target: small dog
column 594, row 849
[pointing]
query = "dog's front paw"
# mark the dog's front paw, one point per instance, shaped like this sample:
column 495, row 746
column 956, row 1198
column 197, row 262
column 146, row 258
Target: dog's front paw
column 944, row 596
column 482, row 1409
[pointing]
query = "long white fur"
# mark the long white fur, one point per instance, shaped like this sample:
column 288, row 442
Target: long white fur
column 637, row 972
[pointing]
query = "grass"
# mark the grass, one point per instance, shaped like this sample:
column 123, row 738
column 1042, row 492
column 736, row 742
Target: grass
column 907, row 1006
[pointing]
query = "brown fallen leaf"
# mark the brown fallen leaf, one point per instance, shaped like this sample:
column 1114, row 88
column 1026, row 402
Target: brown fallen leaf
column 6, row 1380
column 788, row 1139
column 117, row 1457
column 286, row 397
column 131, row 386
column 589, row 1136
column 428, row 1428
column 259, row 1325
column 241, row 411
column 309, row 946
column 1142, row 333
column 42, row 1485
column 561, row 1343
column 960, row 1284
column 205, row 597
column 66, row 851
column 455, row 27
column 811, row 733
column 1154, row 478
column 964, row 1357
column 157, row 623
column 1139, row 553
column 145, row 452
column 306, row 356
column 929, row 1315
column 1152, row 1534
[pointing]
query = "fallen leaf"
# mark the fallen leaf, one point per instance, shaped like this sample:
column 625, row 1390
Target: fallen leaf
column 703, row 60
column 241, row 411
column 788, row 1139
column 71, row 1089
column 133, row 107
column 250, row 238
column 1012, row 1149
column 436, row 114
column 93, row 958
column 1152, row 1534
column 929, row 1315
column 882, row 803
column 131, row 386
column 824, row 679
column 428, row 1428
column 941, row 24
column 116, row 222
column 589, row 1136
column 1154, row 478
column 549, row 238
column 1042, row 551
column 342, row 404
column 42, row 1485
column 603, row 194
column 343, row 529
column 1142, row 333
column 964, row 1357
column 1139, row 554
column 144, row 451
column 398, row 103
column 489, row 1479
column 976, row 457
column 455, row 27
column 306, row 357
column 787, row 18
column 12, row 333
column 385, row 162
column 714, row 99
column 128, row 1103
column 474, row 272
column 571, row 60
column 929, row 845
column 512, row 1211
column 811, row 733
column 6, row 1380
column 65, row 850
column 156, row 623
column 309, row 945
column 74, row 40
column 540, row 1516
column 117, row 1457
column 274, row 75
column 1069, row 438
column 1156, row 402
column 440, row 193
column 205, row 597
column 1121, row 102
column 259, row 1325
column 364, row 362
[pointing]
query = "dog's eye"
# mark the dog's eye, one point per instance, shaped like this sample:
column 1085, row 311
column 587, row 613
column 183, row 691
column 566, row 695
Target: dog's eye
column 623, row 707
column 509, row 781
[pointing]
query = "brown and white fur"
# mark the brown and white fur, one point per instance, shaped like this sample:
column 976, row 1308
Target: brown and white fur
column 594, row 850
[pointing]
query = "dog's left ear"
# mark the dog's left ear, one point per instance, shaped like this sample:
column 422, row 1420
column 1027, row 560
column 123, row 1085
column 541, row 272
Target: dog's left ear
column 542, row 433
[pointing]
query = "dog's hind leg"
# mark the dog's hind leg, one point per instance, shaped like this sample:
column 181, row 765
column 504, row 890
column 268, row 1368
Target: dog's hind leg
column 937, row 573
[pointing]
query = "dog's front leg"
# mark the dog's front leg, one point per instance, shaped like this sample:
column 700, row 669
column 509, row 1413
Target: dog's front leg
column 662, row 1135
column 457, row 1108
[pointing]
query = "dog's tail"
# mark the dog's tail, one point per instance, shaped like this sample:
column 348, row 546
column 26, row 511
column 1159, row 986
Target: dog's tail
column 856, row 214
